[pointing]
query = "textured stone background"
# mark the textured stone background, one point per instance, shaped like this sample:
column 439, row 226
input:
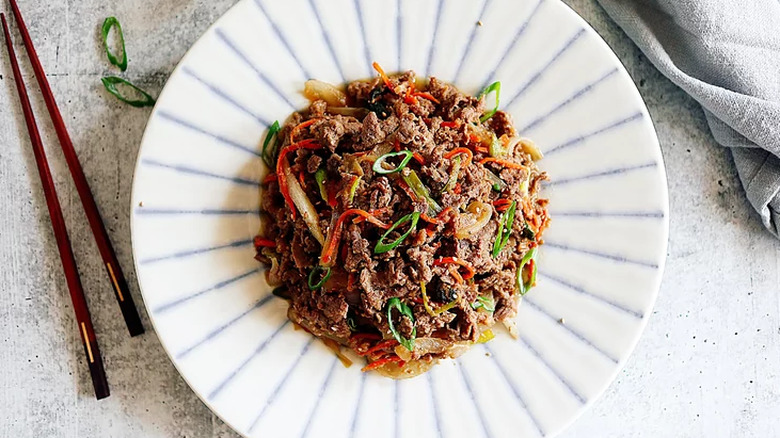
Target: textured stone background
column 708, row 364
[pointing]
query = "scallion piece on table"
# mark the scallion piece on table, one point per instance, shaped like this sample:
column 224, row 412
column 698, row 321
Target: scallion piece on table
column 526, row 282
column 494, row 87
column 382, row 247
column 318, row 272
column 143, row 100
column 403, row 309
column 420, row 190
column 319, row 176
column 379, row 163
column 108, row 24
column 505, row 229
column 269, row 154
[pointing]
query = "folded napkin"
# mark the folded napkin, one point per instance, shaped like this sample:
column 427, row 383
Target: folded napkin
column 726, row 55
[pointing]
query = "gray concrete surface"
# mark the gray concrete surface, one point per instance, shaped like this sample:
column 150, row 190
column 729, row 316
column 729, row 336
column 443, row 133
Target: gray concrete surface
column 708, row 364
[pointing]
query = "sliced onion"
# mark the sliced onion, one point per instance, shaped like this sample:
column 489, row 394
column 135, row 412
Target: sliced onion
column 316, row 90
column 482, row 213
column 530, row 148
column 303, row 204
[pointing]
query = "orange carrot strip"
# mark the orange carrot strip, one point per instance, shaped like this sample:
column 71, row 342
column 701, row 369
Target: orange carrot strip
column 458, row 151
column 264, row 243
column 378, row 363
column 417, row 157
column 428, row 96
column 270, row 177
column 380, row 346
column 305, row 144
column 299, row 127
column 384, row 77
column 456, row 261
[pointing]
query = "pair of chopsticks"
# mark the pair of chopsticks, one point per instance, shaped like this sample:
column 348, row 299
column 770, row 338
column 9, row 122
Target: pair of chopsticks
column 114, row 271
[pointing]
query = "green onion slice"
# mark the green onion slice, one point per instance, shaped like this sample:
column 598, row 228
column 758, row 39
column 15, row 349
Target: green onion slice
column 456, row 165
column 494, row 87
column 316, row 272
column 403, row 309
column 319, row 176
column 378, row 164
column 523, row 284
column 505, row 230
column 269, row 154
column 382, row 247
column 484, row 303
column 145, row 99
column 110, row 23
column 420, row 190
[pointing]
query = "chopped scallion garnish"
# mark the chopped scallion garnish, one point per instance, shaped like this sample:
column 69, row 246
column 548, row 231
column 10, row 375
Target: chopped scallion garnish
column 420, row 190
column 112, row 22
column 269, row 154
column 526, row 282
column 319, row 176
column 505, row 229
column 484, row 303
column 322, row 273
column 379, row 163
column 382, row 247
column 494, row 87
column 403, row 309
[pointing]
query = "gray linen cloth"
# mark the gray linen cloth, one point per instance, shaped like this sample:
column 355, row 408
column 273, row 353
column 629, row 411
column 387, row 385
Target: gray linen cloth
column 726, row 55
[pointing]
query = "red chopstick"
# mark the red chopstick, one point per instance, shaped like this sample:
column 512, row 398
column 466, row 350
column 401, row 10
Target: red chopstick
column 115, row 274
column 83, row 319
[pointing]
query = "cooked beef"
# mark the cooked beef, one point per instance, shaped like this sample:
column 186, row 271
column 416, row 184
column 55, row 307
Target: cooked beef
column 470, row 281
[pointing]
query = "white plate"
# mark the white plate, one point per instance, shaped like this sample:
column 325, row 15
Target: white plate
column 195, row 211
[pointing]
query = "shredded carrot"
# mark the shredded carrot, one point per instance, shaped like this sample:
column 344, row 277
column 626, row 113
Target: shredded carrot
column 305, row 144
column 501, row 162
column 443, row 213
column 270, row 177
column 299, row 127
column 455, row 274
column 375, row 213
column 332, row 202
column 428, row 96
column 458, row 151
column 384, row 77
column 301, row 179
column 418, row 158
column 397, row 145
column 351, row 281
column 381, row 362
column 405, row 188
column 482, row 150
column 380, row 346
column 429, row 219
column 457, row 189
column 409, row 99
column 456, row 261
column 453, row 124
column 334, row 237
column 264, row 243
column 502, row 201
column 473, row 138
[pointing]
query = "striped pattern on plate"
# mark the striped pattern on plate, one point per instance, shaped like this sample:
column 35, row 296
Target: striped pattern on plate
column 196, row 203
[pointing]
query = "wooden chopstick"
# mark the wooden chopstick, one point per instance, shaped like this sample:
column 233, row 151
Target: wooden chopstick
column 86, row 331
column 114, row 271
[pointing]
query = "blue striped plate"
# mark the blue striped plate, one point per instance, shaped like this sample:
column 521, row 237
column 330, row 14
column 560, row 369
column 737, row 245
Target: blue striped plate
column 196, row 197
